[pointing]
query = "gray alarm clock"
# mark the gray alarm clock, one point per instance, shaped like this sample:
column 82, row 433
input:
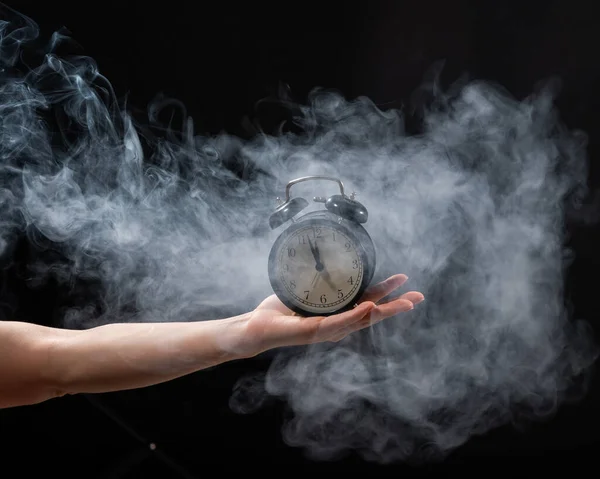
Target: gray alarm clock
column 323, row 261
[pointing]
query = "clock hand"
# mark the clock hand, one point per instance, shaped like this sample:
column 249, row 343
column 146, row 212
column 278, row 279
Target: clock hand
column 315, row 252
column 328, row 280
column 320, row 266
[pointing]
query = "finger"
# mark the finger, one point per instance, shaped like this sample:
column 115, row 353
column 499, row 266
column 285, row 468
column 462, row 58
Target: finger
column 381, row 290
column 413, row 296
column 376, row 314
column 379, row 313
column 349, row 329
column 333, row 324
column 386, row 310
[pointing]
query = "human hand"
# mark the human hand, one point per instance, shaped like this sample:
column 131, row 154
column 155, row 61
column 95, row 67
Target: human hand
column 272, row 324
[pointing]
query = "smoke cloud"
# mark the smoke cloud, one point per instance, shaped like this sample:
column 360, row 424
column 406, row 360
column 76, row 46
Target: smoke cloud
column 171, row 225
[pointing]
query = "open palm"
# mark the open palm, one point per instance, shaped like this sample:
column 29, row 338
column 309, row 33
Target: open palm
column 272, row 324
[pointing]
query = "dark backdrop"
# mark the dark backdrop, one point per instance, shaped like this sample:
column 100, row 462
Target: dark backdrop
column 219, row 59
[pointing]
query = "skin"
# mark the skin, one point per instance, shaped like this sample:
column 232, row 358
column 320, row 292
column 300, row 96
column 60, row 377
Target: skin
column 38, row 363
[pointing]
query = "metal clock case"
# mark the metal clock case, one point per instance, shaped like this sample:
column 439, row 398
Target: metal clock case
column 323, row 261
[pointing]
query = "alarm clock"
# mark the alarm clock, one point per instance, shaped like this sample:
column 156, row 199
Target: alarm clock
column 323, row 261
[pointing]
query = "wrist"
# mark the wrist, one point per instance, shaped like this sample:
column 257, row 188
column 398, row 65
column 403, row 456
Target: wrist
column 235, row 340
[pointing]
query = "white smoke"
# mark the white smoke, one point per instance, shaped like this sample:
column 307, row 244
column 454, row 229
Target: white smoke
column 171, row 225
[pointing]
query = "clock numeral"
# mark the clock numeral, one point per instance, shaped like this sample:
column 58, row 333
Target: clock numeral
column 286, row 267
column 340, row 294
column 292, row 284
column 350, row 281
column 334, row 236
column 302, row 239
column 318, row 233
column 323, row 299
column 306, row 293
column 348, row 247
column 354, row 264
column 291, row 252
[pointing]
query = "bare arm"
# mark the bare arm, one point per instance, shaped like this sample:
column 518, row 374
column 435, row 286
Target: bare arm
column 39, row 363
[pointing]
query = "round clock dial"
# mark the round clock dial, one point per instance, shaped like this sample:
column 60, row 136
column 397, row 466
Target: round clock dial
column 320, row 268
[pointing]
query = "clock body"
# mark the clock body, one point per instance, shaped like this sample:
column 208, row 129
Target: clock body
column 321, row 264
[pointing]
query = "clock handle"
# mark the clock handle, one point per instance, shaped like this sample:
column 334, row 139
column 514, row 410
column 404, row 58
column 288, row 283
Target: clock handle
column 290, row 207
column 306, row 178
column 341, row 205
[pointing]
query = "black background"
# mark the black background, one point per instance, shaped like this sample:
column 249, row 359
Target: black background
column 219, row 59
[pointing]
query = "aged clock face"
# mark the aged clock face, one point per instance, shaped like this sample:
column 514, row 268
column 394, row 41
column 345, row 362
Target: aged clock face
column 319, row 268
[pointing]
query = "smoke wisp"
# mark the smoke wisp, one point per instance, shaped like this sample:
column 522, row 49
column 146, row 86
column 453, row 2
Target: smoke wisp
column 472, row 209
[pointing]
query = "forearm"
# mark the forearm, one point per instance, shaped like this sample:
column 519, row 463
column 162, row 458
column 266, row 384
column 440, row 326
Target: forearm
column 126, row 356
column 38, row 363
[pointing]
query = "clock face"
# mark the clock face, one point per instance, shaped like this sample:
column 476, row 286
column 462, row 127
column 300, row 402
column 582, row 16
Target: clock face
column 320, row 268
